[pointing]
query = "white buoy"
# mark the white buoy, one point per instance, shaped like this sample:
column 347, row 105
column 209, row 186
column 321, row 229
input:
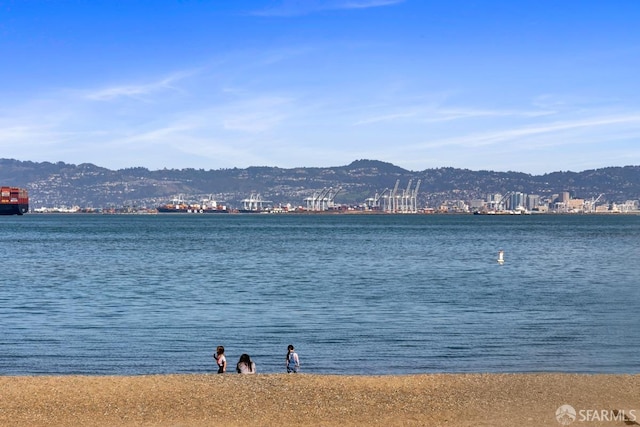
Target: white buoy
column 500, row 257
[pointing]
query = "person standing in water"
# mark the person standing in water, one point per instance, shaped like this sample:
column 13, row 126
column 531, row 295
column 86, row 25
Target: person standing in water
column 292, row 360
column 221, row 360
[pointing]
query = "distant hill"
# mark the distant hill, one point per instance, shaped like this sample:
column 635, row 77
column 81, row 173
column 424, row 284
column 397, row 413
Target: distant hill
column 87, row 185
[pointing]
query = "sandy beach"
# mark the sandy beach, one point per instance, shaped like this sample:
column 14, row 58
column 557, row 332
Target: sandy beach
column 318, row 400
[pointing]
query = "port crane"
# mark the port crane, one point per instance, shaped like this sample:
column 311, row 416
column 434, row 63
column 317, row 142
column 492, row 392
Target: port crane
column 323, row 200
column 414, row 197
column 394, row 201
column 393, row 197
column 389, row 200
column 404, row 206
column 254, row 203
column 592, row 203
column 500, row 205
column 319, row 205
column 332, row 197
column 374, row 202
column 313, row 202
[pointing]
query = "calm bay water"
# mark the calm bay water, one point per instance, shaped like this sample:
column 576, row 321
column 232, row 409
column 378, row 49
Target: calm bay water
column 361, row 294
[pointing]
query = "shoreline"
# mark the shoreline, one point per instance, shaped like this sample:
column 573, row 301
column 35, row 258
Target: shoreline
column 495, row 399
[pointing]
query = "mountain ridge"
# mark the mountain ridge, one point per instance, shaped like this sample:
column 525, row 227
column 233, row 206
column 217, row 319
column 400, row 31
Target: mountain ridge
column 88, row 185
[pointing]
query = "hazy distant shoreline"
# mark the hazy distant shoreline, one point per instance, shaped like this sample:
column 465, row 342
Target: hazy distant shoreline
column 88, row 185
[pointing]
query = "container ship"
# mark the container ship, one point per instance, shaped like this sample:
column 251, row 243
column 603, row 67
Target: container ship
column 13, row 201
column 205, row 206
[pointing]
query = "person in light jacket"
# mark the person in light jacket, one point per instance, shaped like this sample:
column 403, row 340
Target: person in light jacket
column 245, row 365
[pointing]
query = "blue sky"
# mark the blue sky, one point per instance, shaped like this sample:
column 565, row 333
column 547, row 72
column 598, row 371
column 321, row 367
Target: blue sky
column 530, row 86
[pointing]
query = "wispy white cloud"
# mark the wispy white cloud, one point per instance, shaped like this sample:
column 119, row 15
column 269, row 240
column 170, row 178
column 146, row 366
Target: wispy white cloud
column 501, row 136
column 255, row 115
column 276, row 56
column 386, row 118
column 296, row 8
column 435, row 114
column 572, row 102
column 455, row 114
column 138, row 91
column 159, row 134
column 365, row 4
column 13, row 134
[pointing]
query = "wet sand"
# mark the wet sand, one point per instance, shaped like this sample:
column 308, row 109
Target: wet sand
column 315, row 400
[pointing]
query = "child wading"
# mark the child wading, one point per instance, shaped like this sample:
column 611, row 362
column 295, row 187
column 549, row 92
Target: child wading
column 221, row 361
column 293, row 362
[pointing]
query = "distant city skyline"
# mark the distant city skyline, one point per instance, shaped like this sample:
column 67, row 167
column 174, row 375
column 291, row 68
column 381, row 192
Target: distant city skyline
column 529, row 86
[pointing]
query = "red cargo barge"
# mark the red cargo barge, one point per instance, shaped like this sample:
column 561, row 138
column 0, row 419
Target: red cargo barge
column 13, row 201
